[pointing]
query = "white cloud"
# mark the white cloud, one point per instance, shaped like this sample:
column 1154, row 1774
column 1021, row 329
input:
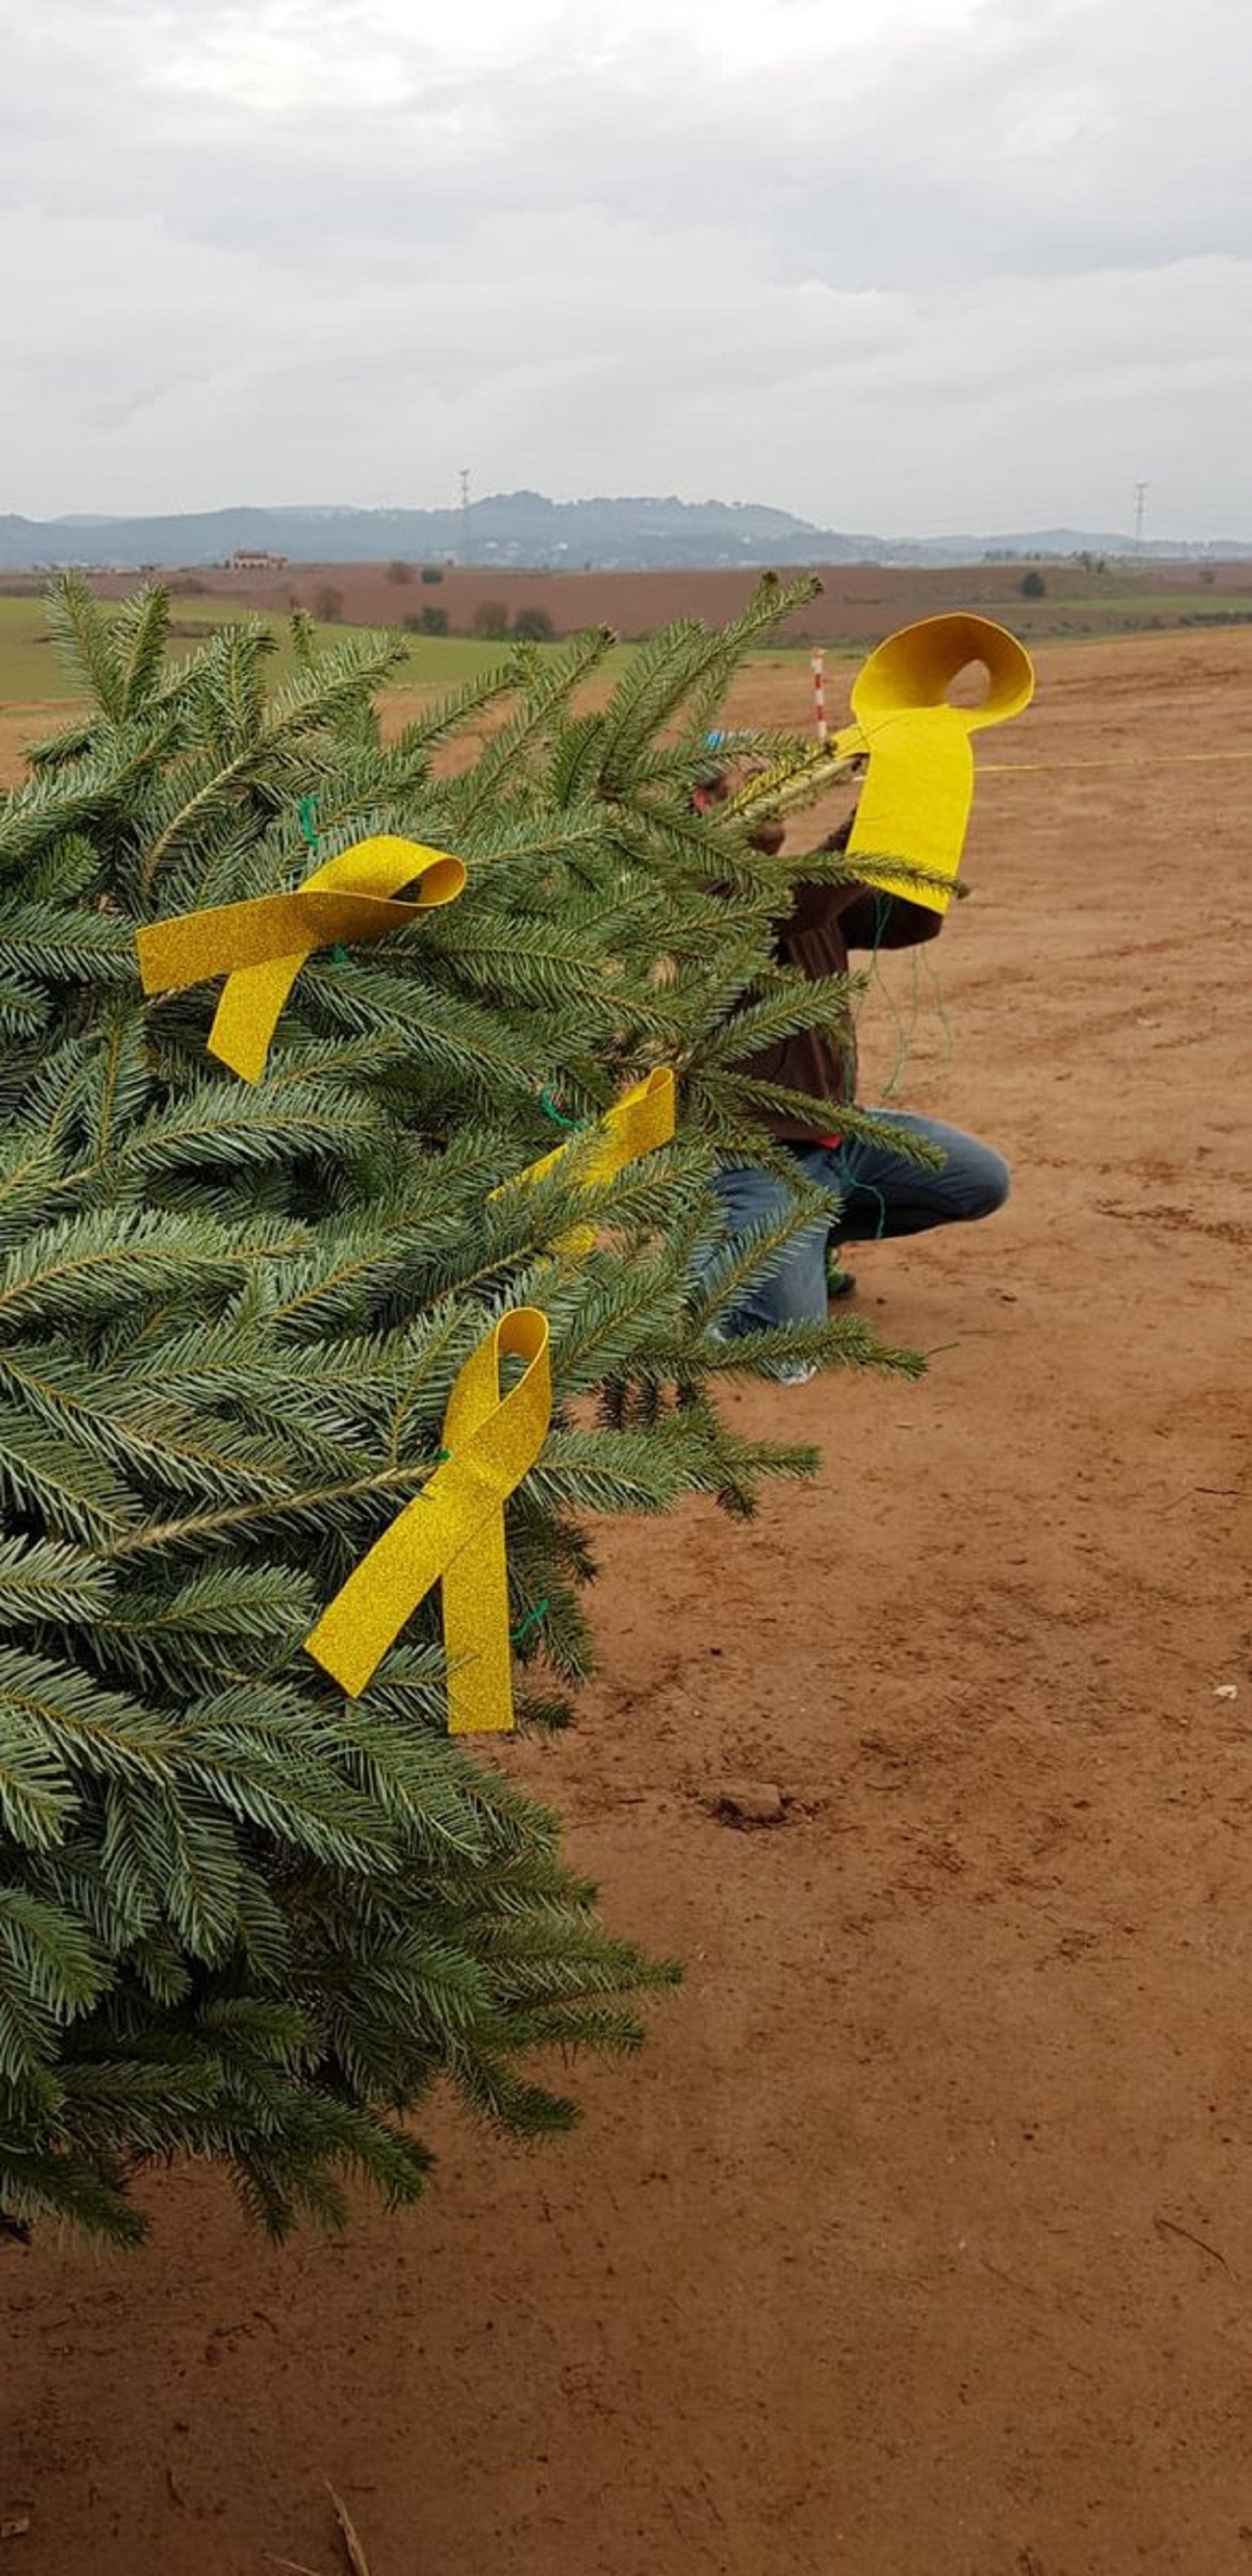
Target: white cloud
column 281, row 55
column 904, row 264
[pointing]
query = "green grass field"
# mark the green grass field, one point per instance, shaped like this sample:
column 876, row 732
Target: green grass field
column 31, row 671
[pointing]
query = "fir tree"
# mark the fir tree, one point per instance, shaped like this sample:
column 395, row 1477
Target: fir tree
column 240, row 1917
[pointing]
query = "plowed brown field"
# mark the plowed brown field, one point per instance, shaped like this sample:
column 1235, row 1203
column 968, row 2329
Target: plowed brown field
column 858, row 603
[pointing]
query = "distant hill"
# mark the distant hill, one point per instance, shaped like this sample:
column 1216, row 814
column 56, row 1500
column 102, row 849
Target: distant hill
column 522, row 528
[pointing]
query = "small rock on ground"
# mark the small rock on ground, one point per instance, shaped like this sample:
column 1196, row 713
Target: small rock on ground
column 749, row 1802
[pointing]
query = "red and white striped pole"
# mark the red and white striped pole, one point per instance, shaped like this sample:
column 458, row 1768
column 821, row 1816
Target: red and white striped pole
column 818, row 668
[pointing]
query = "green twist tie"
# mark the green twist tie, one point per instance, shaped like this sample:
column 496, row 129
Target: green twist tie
column 557, row 1116
column 532, row 1619
column 307, row 811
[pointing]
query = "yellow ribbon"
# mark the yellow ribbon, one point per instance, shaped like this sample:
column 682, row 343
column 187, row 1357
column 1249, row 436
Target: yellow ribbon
column 919, row 785
column 261, row 946
column 454, row 1528
column 454, row 1531
column 641, row 1120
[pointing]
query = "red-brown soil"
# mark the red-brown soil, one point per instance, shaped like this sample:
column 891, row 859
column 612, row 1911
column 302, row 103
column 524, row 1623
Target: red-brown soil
column 858, row 604
column 921, row 2238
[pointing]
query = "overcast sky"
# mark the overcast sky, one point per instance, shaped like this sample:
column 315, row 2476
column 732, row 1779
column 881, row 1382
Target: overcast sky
column 907, row 266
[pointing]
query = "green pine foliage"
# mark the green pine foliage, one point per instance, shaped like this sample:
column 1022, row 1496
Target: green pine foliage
column 240, row 1918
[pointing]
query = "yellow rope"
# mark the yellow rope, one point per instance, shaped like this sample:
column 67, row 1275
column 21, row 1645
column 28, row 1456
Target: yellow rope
column 1057, row 768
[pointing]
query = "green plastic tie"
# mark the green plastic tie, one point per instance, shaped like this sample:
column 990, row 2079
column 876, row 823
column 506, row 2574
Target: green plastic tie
column 307, row 810
column 533, row 1619
column 557, row 1116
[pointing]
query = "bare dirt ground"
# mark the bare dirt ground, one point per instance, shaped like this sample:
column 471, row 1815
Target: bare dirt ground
column 921, row 2238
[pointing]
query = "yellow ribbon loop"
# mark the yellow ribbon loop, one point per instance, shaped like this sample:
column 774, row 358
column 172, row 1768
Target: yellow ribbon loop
column 454, row 1531
column 916, row 799
column 642, row 1119
column 261, row 946
column 919, row 786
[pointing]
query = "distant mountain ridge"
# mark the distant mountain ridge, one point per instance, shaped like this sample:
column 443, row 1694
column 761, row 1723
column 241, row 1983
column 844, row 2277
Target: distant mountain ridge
column 525, row 529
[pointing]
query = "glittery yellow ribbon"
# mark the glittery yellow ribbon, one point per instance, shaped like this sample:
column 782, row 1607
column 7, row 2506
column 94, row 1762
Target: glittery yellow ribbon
column 641, row 1120
column 919, row 785
column 261, row 946
column 454, row 1531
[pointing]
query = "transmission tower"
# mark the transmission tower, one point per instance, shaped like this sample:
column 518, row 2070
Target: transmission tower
column 1141, row 512
column 465, row 514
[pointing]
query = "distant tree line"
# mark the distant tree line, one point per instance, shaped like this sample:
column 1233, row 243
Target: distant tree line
column 490, row 621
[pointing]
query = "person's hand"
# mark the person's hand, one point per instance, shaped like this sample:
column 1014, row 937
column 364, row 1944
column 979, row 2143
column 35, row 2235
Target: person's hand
column 768, row 838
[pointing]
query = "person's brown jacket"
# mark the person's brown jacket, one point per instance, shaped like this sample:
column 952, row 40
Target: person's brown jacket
column 824, row 923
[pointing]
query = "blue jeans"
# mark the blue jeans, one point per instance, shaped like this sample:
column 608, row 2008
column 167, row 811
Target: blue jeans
column 882, row 1193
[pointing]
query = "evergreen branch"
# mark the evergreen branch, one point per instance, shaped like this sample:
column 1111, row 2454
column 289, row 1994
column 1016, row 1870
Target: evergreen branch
column 67, row 1713
column 565, row 672
column 60, row 1484
column 86, row 1268
column 139, row 637
column 37, row 1799
column 313, row 700
column 43, row 1579
column 82, row 633
column 81, row 796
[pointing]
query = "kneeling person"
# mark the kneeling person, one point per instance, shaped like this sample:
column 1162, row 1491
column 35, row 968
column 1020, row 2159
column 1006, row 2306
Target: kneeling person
column 881, row 1191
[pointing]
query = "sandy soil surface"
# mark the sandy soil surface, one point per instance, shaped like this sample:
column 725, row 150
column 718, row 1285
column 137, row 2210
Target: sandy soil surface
column 921, row 2239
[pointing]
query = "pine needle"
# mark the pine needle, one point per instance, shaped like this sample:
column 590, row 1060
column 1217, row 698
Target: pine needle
column 358, row 2564
column 354, row 2553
